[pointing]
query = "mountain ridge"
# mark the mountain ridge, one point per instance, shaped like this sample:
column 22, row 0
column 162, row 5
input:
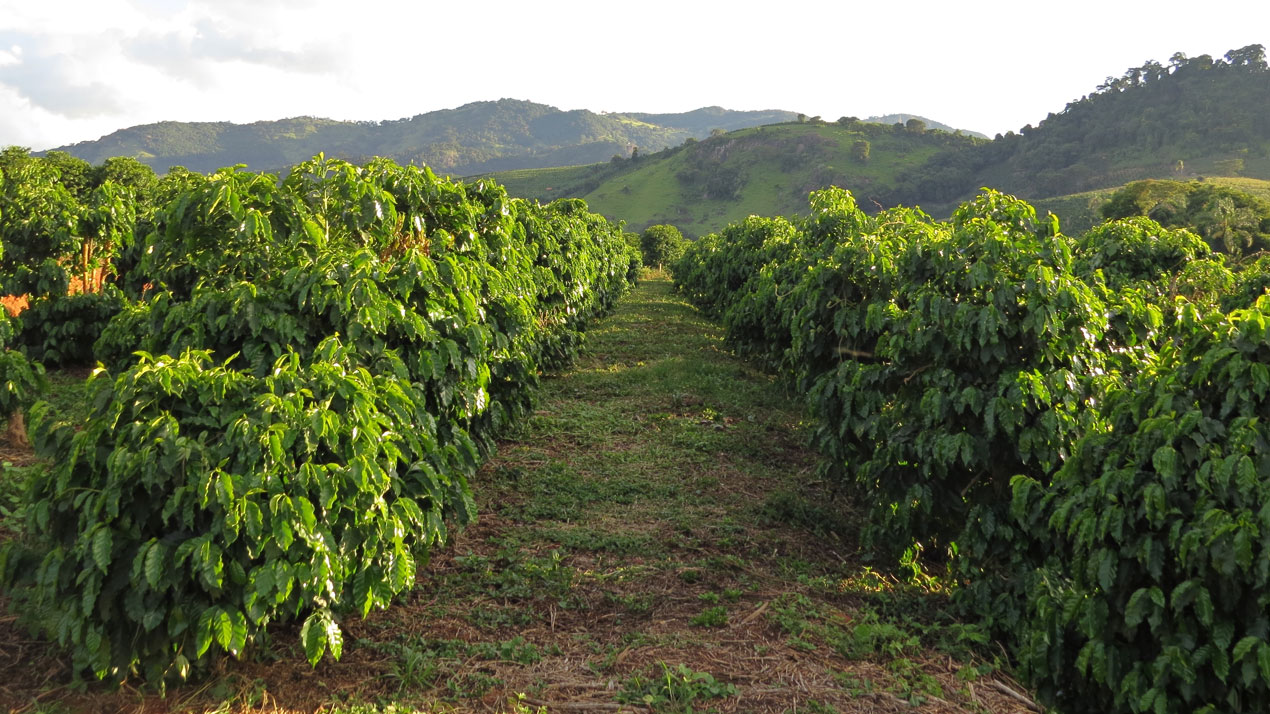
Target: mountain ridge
column 473, row 138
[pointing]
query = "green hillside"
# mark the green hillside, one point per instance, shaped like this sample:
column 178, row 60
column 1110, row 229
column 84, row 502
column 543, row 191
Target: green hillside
column 471, row 139
column 702, row 186
column 1194, row 119
column 556, row 182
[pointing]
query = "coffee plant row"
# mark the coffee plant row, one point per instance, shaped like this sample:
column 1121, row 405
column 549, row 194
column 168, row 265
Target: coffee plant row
column 1078, row 429
column 299, row 378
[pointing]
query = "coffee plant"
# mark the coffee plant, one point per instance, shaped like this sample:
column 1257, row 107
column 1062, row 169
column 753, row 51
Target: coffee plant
column 292, row 410
column 1251, row 282
column 1074, row 427
column 39, row 228
column 1157, row 597
column 61, row 331
column 23, row 379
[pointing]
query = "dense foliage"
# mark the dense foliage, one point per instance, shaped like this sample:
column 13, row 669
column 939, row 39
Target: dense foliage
column 293, row 410
column 661, row 245
column 22, row 379
column 1229, row 220
column 968, row 383
column 939, row 359
column 1158, row 595
column 62, row 330
column 62, row 224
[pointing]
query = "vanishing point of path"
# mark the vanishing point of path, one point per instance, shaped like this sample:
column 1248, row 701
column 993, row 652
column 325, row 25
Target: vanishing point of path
column 654, row 540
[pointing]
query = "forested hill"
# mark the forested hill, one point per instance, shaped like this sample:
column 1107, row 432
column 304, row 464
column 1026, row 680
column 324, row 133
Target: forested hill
column 1188, row 118
column 474, row 138
column 930, row 123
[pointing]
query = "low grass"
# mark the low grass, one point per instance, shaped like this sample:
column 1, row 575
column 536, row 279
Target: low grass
column 653, row 540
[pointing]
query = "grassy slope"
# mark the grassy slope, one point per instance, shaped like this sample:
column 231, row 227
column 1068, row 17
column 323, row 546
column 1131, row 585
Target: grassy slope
column 778, row 166
column 549, row 183
column 648, row 192
column 535, row 183
column 649, row 528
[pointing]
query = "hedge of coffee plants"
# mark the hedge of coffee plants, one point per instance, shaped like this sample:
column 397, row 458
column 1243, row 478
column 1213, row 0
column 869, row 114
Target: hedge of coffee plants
column 288, row 415
column 59, row 246
column 23, row 380
column 976, row 382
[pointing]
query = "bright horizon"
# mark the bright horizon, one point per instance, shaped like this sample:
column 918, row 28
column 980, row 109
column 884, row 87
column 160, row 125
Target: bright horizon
column 77, row 71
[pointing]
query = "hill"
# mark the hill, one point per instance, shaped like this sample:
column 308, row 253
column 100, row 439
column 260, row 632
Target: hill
column 1197, row 118
column 701, row 186
column 471, row 139
column 702, row 121
column 930, row 123
column 1194, row 117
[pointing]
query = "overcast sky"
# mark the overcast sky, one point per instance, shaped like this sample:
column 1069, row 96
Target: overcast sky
column 77, row 70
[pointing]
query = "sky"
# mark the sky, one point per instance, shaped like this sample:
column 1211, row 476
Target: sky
column 75, row 71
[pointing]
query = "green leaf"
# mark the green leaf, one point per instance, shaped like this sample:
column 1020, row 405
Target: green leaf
column 253, row 519
column 313, row 635
column 1204, row 606
column 223, row 629
column 334, row 638
column 203, row 632
column 1164, row 460
column 225, row 490
column 102, row 541
column 1221, row 664
column 238, row 638
column 275, row 447
column 1243, row 647
column 403, row 568
column 1107, row 562
column 1139, row 605
column 307, row 515
column 156, row 559
column 363, row 592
